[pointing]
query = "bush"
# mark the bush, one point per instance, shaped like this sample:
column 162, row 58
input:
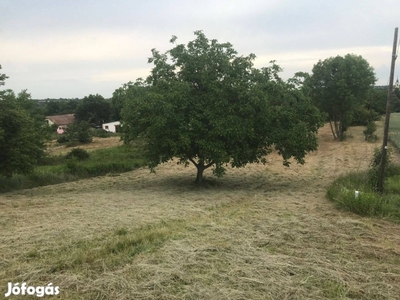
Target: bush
column 101, row 133
column 62, row 139
column 78, row 153
column 363, row 116
column 369, row 132
column 79, row 132
column 373, row 172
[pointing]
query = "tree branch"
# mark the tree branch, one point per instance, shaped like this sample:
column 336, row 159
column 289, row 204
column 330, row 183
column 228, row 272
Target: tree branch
column 196, row 164
column 208, row 165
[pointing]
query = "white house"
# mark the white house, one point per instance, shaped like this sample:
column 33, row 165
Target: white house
column 112, row 126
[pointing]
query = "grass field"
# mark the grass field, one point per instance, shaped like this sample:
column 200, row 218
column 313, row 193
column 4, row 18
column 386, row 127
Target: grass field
column 261, row 232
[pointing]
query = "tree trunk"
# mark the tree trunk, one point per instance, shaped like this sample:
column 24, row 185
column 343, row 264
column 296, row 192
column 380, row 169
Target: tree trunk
column 200, row 170
column 333, row 131
column 337, row 130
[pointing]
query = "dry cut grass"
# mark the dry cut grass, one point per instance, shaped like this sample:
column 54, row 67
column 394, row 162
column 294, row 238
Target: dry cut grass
column 261, row 232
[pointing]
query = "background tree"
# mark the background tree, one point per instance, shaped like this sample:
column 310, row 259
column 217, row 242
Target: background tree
column 3, row 78
column 78, row 132
column 117, row 102
column 205, row 105
column 22, row 143
column 60, row 106
column 93, row 109
column 339, row 86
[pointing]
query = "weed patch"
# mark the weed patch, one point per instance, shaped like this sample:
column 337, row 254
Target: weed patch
column 369, row 202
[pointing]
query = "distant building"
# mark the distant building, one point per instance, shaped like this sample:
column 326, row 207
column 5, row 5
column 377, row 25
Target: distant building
column 62, row 121
column 112, row 126
column 397, row 84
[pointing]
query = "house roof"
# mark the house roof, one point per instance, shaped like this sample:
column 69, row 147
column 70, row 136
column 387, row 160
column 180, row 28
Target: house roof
column 62, row 119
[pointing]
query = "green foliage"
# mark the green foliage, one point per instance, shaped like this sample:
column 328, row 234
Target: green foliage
column 369, row 202
column 55, row 170
column 369, row 132
column 78, row 153
column 63, row 138
column 394, row 129
column 339, row 86
column 363, row 116
column 206, row 105
column 117, row 102
column 374, row 170
column 78, row 132
column 61, row 106
column 22, row 141
column 376, row 100
column 93, row 109
column 101, row 133
column 3, row 78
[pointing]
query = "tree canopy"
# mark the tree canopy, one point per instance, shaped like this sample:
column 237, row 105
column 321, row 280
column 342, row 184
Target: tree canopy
column 93, row 109
column 21, row 136
column 339, row 85
column 204, row 104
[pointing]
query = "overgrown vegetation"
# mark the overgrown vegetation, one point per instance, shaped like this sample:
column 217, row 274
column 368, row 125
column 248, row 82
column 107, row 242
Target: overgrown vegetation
column 369, row 202
column 369, row 132
column 76, row 133
column 394, row 129
column 76, row 165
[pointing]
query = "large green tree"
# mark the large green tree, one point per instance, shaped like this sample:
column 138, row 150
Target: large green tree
column 204, row 104
column 339, row 87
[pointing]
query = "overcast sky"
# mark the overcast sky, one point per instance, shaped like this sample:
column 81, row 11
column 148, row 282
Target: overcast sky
column 73, row 48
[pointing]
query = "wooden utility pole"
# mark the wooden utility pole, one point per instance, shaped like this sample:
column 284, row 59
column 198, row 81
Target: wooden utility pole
column 382, row 165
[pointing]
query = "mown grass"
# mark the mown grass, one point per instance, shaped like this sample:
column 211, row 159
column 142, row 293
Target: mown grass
column 109, row 251
column 58, row 169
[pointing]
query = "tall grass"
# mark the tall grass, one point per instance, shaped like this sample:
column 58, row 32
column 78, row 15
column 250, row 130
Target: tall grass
column 58, row 169
column 394, row 129
column 369, row 202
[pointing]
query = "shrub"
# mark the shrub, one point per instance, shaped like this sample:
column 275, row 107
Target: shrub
column 73, row 167
column 79, row 132
column 101, row 133
column 78, row 153
column 369, row 132
column 373, row 172
column 363, row 116
column 62, row 139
